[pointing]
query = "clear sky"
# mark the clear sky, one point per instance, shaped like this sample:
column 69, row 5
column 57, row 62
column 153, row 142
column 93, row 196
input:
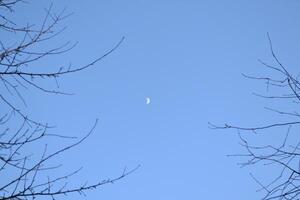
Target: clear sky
column 187, row 56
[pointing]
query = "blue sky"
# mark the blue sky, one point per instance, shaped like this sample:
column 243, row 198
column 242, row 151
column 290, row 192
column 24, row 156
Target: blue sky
column 187, row 56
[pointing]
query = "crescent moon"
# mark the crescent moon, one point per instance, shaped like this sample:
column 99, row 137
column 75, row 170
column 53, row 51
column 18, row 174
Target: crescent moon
column 148, row 101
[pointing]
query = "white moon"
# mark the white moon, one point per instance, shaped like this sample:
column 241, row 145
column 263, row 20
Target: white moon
column 148, row 101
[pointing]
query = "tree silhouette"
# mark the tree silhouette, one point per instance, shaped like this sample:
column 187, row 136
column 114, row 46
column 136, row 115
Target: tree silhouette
column 24, row 174
column 285, row 157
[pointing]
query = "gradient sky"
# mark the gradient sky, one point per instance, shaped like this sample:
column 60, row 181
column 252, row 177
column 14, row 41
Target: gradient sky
column 187, row 56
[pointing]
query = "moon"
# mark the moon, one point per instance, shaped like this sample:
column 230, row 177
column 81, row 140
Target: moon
column 148, row 101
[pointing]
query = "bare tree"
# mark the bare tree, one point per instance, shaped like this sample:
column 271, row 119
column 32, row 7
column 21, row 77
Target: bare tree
column 24, row 174
column 285, row 157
